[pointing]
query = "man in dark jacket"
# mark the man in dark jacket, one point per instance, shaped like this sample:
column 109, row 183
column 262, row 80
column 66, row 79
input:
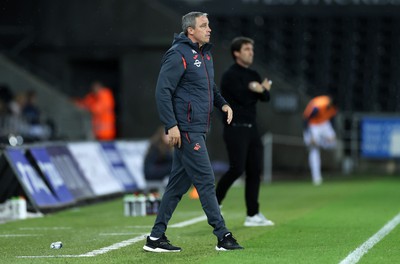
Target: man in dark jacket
column 185, row 96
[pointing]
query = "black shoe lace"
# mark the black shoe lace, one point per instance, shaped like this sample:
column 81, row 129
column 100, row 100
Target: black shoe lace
column 164, row 238
column 232, row 239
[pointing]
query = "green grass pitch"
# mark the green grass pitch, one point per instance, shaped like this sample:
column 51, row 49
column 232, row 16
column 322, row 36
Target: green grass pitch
column 321, row 224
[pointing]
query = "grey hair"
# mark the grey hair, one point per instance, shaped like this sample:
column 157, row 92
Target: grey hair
column 189, row 20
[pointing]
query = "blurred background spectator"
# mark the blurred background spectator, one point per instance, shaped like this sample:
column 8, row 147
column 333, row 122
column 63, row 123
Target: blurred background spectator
column 30, row 111
column 6, row 99
column 40, row 128
column 100, row 103
column 18, row 104
column 20, row 117
column 158, row 159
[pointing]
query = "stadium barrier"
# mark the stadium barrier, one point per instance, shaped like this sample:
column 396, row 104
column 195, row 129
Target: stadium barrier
column 371, row 142
column 61, row 174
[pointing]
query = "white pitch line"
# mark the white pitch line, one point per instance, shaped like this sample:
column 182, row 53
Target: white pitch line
column 357, row 254
column 119, row 244
column 138, row 226
column 114, row 246
column 118, row 234
column 45, row 228
column 51, row 256
column 18, row 235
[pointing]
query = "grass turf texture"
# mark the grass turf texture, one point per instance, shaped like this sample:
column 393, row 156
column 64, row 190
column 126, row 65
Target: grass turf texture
column 313, row 225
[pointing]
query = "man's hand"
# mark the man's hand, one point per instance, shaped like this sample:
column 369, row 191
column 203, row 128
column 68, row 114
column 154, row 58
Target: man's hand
column 174, row 136
column 260, row 87
column 229, row 113
column 267, row 84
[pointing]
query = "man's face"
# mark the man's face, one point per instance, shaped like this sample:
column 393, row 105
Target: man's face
column 245, row 56
column 202, row 31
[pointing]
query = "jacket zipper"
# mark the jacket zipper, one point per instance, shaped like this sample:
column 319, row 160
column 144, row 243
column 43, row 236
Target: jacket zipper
column 189, row 118
column 209, row 92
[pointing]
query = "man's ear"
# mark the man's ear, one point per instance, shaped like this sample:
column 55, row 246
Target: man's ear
column 190, row 30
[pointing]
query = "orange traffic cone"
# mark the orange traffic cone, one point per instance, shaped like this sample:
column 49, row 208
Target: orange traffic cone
column 193, row 194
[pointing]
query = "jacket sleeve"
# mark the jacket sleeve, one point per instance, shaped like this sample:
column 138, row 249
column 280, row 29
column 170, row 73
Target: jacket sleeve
column 264, row 96
column 171, row 71
column 219, row 101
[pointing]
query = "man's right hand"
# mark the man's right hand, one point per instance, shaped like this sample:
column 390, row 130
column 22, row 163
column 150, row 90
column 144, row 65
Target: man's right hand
column 174, row 136
column 267, row 84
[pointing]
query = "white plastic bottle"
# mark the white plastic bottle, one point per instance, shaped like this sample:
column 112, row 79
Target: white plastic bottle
column 140, row 205
column 19, row 210
column 129, row 201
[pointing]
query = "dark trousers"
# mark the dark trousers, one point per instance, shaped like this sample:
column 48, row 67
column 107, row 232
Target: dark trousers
column 191, row 165
column 245, row 152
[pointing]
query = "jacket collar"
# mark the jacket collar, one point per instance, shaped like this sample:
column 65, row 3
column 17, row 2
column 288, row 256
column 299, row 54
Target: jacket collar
column 182, row 38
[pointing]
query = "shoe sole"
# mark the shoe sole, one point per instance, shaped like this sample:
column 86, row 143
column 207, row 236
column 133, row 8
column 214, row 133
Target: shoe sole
column 224, row 249
column 160, row 250
column 255, row 224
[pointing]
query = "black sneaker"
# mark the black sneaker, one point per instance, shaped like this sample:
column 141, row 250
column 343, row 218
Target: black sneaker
column 160, row 245
column 228, row 242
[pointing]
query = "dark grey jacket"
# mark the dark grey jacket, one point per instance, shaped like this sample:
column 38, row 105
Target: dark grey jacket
column 186, row 91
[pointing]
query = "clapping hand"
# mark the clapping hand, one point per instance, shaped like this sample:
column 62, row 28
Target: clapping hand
column 260, row 87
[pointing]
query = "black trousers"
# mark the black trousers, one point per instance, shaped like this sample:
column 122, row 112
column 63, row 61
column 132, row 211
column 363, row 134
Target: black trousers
column 245, row 152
